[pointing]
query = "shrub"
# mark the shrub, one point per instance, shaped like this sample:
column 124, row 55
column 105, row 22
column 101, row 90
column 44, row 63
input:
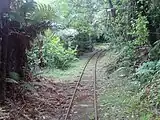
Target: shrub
column 51, row 53
column 147, row 86
column 144, row 74
column 155, row 51
column 83, row 42
column 140, row 30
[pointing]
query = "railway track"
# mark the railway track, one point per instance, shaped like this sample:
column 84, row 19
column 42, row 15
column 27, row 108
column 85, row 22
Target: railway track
column 95, row 57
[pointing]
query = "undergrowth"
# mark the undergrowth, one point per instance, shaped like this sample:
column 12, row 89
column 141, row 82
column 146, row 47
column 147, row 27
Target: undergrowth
column 115, row 89
column 50, row 52
column 65, row 75
column 130, row 92
column 147, row 83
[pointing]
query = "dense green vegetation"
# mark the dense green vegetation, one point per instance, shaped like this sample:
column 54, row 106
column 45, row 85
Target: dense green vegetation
column 131, row 27
column 52, row 53
column 140, row 42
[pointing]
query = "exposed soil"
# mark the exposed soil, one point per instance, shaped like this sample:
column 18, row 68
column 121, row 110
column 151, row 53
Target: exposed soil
column 49, row 100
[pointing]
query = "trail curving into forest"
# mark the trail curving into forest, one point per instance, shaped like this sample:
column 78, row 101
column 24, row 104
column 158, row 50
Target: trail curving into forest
column 95, row 58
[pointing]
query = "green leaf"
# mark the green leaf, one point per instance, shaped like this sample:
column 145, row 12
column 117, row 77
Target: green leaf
column 9, row 80
column 14, row 76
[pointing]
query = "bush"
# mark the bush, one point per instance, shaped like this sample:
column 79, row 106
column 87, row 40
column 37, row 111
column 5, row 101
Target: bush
column 52, row 53
column 145, row 74
column 140, row 30
column 155, row 51
column 83, row 42
column 147, row 84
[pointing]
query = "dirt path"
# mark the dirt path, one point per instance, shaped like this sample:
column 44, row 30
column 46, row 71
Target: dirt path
column 83, row 108
column 50, row 99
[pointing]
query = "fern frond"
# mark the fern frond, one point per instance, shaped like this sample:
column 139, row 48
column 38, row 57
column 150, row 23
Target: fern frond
column 43, row 12
column 27, row 7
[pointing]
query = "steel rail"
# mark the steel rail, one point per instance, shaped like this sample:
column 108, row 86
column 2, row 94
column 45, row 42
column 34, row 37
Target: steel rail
column 75, row 90
column 95, row 88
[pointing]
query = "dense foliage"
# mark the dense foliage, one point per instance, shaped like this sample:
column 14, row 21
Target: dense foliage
column 49, row 52
column 132, row 26
column 141, row 36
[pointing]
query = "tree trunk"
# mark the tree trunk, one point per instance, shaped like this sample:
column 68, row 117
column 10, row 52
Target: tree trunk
column 3, row 58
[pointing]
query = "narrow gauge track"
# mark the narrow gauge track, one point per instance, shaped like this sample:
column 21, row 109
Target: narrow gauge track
column 97, row 54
